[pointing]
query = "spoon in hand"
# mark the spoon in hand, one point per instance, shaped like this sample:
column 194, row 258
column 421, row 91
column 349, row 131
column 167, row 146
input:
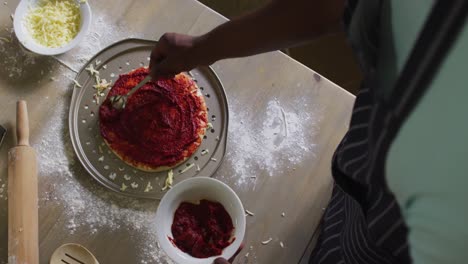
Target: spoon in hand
column 119, row 101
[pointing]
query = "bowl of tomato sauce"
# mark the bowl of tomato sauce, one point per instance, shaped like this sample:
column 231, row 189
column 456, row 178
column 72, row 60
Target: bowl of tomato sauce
column 199, row 220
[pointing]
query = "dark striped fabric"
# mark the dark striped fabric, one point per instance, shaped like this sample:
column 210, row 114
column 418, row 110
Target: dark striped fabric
column 363, row 222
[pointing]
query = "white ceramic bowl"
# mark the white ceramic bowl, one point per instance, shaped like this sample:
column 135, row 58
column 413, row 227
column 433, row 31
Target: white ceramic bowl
column 193, row 190
column 29, row 43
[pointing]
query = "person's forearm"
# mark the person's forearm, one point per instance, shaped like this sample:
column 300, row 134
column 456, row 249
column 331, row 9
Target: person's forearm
column 280, row 24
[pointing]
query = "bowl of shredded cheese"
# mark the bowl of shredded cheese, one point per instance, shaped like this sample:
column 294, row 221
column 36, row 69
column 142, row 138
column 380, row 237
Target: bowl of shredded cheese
column 51, row 27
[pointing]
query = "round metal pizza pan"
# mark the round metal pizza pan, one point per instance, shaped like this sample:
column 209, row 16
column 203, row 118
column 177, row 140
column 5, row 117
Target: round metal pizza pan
column 101, row 163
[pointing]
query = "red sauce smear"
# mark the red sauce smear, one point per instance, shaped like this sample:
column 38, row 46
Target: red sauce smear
column 202, row 230
column 160, row 122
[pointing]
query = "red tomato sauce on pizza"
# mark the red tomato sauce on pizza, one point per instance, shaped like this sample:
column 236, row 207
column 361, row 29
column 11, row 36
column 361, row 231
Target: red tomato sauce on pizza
column 160, row 124
column 202, row 230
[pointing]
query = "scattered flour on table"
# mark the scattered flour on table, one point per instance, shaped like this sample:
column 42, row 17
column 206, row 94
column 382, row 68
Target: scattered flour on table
column 280, row 142
column 63, row 181
column 88, row 206
column 15, row 60
column 18, row 64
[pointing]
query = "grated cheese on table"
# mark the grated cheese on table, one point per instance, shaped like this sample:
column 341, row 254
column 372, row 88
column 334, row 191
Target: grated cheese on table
column 5, row 39
column 77, row 84
column 148, row 187
column 91, row 70
column 169, row 180
column 249, row 212
column 53, row 23
column 187, row 168
column 101, row 85
column 112, row 176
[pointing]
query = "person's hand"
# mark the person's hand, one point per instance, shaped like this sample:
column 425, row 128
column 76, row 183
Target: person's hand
column 224, row 261
column 175, row 53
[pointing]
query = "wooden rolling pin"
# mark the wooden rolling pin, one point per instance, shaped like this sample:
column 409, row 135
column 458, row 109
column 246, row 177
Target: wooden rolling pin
column 23, row 241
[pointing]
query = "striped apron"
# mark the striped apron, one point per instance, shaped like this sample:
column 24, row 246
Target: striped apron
column 363, row 222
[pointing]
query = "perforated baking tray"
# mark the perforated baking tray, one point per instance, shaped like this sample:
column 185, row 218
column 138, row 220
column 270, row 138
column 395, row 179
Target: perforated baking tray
column 101, row 162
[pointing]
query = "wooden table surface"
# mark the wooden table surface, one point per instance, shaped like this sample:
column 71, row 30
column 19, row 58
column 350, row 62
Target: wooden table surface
column 295, row 181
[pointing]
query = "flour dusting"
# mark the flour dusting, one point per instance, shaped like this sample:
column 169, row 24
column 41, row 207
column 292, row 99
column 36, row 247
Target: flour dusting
column 88, row 206
column 16, row 62
column 279, row 142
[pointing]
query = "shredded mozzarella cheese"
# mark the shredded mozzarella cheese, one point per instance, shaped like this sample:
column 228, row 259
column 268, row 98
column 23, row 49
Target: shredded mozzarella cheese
column 54, row 23
column 169, row 180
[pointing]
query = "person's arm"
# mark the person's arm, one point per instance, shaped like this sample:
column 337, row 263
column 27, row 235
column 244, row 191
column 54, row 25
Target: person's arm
column 278, row 25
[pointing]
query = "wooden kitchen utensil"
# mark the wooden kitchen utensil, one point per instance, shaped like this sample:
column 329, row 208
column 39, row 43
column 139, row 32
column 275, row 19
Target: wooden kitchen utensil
column 23, row 242
column 73, row 254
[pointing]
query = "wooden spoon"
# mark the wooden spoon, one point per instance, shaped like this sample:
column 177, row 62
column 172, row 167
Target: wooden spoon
column 72, row 254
